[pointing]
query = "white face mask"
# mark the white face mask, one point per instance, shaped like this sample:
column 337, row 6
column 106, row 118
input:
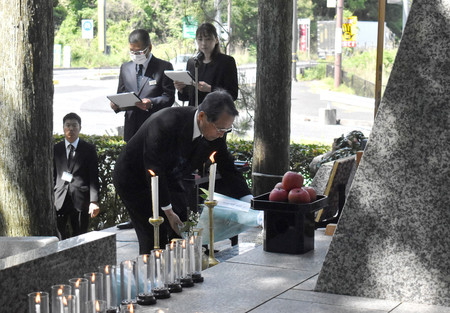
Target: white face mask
column 138, row 59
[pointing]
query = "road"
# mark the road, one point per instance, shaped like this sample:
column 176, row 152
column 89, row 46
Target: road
column 84, row 92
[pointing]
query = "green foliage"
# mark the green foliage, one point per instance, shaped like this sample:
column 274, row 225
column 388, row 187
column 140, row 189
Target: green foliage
column 314, row 73
column 113, row 212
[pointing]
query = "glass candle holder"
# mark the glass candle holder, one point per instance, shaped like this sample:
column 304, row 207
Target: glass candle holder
column 109, row 286
column 185, row 277
column 95, row 286
column 198, row 258
column 80, row 291
column 173, row 276
column 97, row 306
column 128, row 279
column 159, row 274
column 145, row 295
column 60, row 298
column 128, row 308
column 38, row 302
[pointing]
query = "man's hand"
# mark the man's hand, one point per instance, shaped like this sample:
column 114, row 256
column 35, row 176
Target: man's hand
column 174, row 220
column 145, row 104
column 94, row 209
column 179, row 86
column 114, row 107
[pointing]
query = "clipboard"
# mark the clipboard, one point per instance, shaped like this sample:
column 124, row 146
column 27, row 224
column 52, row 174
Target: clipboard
column 124, row 101
column 181, row 76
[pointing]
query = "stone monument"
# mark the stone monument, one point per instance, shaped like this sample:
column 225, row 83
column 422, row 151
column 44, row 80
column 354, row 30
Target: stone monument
column 393, row 238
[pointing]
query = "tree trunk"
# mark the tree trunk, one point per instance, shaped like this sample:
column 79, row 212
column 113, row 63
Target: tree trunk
column 26, row 100
column 273, row 94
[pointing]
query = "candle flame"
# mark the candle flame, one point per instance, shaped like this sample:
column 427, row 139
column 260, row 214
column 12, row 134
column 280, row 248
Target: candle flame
column 131, row 308
column 93, row 278
column 172, row 244
column 211, row 157
column 144, row 258
column 191, row 241
column 157, row 252
column 60, row 291
column 38, row 297
column 107, row 269
column 183, row 243
column 130, row 265
column 152, row 173
column 77, row 284
column 97, row 306
column 64, row 299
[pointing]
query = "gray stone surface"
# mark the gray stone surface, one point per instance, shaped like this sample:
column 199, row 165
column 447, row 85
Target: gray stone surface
column 392, row 240
column 14, row 245
column 55, row 263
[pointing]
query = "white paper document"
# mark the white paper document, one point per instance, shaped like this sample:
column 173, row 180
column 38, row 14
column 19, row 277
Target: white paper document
column 181, row 76
column 125, row 100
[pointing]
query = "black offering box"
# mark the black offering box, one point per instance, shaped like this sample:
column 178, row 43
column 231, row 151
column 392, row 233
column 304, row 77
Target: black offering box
column 289, row 228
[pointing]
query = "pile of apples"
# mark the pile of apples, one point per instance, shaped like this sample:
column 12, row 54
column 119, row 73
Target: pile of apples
column 291, row 190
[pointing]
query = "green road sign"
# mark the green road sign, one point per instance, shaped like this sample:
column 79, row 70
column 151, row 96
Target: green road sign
column 189, row 27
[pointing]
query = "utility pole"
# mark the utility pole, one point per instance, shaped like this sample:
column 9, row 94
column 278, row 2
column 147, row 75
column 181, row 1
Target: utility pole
column 380, row 48
column 101, row 11
column 338, row 43
column 294, row 40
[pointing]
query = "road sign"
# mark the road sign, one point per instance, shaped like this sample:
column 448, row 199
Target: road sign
column 189, row 27
column 87, row 29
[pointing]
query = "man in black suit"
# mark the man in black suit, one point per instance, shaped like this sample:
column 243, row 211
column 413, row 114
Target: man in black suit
column 173, row 143
column 75, row 177
column 144, row 75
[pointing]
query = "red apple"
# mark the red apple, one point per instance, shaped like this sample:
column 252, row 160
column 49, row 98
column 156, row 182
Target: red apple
column 292, row 180
column 312, row 192
column 278, row 185
column 298, row 195
column 278, row 195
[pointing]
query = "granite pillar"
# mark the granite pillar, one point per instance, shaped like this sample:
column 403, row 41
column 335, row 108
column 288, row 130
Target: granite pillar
column 393, row 239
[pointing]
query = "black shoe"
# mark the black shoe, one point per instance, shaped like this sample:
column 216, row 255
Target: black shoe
column 126, row 225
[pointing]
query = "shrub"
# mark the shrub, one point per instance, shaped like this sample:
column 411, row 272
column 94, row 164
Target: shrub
column 109, row 147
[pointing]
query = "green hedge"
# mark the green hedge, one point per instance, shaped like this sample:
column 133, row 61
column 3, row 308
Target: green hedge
column 108, row 149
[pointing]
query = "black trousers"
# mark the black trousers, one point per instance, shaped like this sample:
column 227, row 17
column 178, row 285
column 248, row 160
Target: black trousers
column 79, row 221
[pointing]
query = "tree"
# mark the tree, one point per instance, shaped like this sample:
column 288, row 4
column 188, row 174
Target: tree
column 26, row 149
column 273, row 94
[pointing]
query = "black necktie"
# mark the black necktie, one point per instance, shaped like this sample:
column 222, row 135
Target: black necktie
column 71, row 153
column 139, row 76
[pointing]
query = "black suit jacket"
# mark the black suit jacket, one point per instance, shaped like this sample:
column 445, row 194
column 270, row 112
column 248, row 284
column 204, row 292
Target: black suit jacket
column 84, row 187
column 164, row 145
column 155, row 85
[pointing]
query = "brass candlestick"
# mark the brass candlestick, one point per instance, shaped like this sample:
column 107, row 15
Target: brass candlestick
column 212, row 260
column 156, row 222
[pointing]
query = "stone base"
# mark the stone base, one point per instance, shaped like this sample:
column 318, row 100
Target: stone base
column 327, row 116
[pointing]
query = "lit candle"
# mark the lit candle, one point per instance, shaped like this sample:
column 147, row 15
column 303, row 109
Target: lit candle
column 97, row 306
column 60, row 300
column 172, row 263
column 37, row 306
column 129, row 280
column 108, row 287
column 66, row 308
column 144, row 258
column 93, row 291
column 191, row 254
column 155, row 193
column 212, row 177
column 158, row 269
column 77, row 295
column 184, row 259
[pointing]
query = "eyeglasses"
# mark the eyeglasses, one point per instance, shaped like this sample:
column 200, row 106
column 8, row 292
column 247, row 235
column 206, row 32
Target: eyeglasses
column 138, row 52
column 223, row 130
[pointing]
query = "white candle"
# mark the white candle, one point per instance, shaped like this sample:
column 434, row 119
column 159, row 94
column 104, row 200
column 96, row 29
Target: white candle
column 61, row 306
column 77, row 295
column 145, row 274
column 108, row 290
column 191, row 254
column 37, row 306
column 184, row 260
column 129, row 281
column 172, row 266
column 212, row 177
column 93, row 291
column 155, row 194
column 158, row 272
column 66, row 308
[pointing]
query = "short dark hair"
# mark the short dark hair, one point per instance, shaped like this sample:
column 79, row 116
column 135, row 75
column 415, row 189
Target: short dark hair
column 139, row 35
column 72, row 116
column 216, row 103
column 208, row 29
